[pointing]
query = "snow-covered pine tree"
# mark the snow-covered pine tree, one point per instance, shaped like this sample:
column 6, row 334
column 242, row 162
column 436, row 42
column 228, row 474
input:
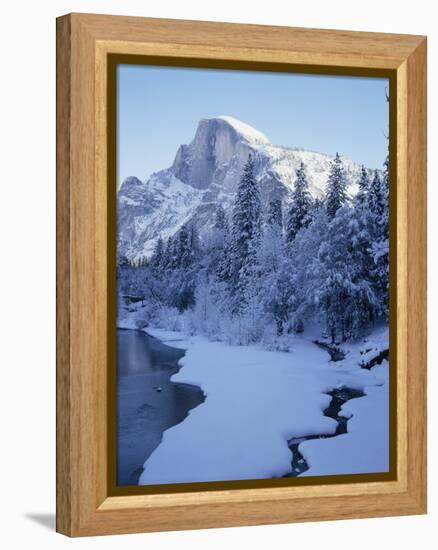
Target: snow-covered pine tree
column 385, row 197
column 269, row 293
column 157, row 257
column 305, row 268
column 379, row 210
column 220, row 219
column 270, row 249
column 194, row 240
column 364, row 184
column 364, row 180
column 336, row 191
column 274, row 216
column 379, row 206
column 178, row 280
column 317, row 207
column 184, row 251
column 245, row 233
column 220, row 253
column 376, row 198
column 169, row 259
column 195, row 243
column 362, row 220
column 278, row 291
column 346, row 298
column 299, row 213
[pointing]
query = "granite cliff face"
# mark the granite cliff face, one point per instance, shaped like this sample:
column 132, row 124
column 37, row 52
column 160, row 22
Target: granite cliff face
column 205, row 173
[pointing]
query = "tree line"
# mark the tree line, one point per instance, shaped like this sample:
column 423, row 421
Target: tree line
column 267, row 271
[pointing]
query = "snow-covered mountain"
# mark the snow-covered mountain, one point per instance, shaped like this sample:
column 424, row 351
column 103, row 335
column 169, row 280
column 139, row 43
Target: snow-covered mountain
column 206, row 173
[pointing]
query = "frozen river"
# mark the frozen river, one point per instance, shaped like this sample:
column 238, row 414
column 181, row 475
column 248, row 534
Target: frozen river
column 147, row 401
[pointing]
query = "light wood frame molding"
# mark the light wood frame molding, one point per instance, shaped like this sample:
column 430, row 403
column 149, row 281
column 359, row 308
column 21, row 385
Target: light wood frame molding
column 83, row 44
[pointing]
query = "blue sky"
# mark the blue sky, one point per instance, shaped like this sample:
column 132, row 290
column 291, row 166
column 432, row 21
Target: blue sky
column 158, row 108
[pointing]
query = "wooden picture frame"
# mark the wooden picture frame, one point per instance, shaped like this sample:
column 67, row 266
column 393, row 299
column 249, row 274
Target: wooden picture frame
column 85, row 44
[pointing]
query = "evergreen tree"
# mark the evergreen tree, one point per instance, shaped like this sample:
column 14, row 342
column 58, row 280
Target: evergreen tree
column 364, row 184
column 385, row 199
column 246, row 220
column 363, row 221
column 278, row 291
column 299, row 214
column 305, row 268
column 220, row 220
column 346, row 299
column 220, row 254
column 380, row 245
column 336, row 192
column 377, row 202
column 274, row 217
column 184, row 251
column 379, row 209
column 169, row 260
column 268, row 288
column 157, row 258
column 194, row 242
column 270, row 245
column 364, row 181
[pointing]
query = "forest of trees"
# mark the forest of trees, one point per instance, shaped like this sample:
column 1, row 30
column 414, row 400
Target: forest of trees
column 271, row 270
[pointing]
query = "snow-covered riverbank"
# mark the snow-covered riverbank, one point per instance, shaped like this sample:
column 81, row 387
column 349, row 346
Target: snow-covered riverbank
column 257, row 400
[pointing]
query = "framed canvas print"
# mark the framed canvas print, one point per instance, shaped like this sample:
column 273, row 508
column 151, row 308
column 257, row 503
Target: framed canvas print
column 241, row 274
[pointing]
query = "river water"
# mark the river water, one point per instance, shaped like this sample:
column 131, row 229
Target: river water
column 148, row 403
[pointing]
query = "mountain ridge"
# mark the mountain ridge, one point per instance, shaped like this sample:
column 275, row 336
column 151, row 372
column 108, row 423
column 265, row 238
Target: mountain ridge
column 205, row 173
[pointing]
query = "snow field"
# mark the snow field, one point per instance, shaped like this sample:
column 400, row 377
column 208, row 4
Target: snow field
column 256, row 401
